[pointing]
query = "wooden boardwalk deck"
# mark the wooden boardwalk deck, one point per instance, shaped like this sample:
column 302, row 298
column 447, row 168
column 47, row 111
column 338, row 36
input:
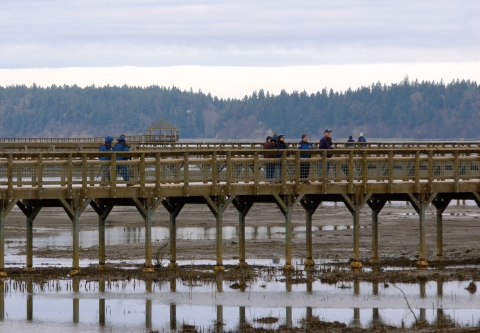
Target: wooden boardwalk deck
column 220, row 177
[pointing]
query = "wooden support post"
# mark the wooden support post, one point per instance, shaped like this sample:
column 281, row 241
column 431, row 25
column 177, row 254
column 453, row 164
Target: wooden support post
column 102, row 210
column 146, row 211
column 243, row 205
column 218, row 207
column 288, row 317
column 101, row 303
column 286, row 205
column 29, row 300
column 2, row 300
column 148, row 315
column 76, row 301
column 440, row 204
column 74, row 209
column 376, row 206
column 30, row 213
column 173, row 317
column 420, row 202
column 243, row 319
column 219, row 323
column 310, row 207
column 354, row 205
column 5, row 207
column 173, row 207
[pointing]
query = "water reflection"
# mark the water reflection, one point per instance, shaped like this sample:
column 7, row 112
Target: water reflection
column 126, row 235
column 131, row 305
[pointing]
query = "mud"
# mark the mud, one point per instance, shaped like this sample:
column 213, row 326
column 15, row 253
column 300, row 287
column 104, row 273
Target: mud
column 398, row 233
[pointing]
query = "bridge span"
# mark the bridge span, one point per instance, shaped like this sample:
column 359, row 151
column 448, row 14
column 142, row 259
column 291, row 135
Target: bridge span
column 221, row 177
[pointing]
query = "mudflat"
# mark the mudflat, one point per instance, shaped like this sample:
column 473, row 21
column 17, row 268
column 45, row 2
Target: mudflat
column 332, row 241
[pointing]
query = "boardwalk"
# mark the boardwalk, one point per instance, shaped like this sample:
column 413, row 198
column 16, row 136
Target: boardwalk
column 241, row 177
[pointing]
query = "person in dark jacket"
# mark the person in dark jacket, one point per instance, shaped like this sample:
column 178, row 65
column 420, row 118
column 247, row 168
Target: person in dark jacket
column 105, row 170
column 280, row 145
column 326, row 142
column 269, row 166
column 350, row 139
column 304, row 166
column 120, row 146
column 361, row 138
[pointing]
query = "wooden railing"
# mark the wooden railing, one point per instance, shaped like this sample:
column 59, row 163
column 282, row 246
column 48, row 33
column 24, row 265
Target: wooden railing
column 160, row 169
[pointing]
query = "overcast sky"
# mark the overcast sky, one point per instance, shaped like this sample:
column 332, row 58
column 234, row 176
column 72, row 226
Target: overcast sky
column 185, row 38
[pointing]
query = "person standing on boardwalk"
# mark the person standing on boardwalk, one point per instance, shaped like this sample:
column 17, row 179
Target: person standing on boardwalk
column 120, row 146
column 269, row 166
column 105, row 171
column 350, row 139
column 361, row 138
column 304, row 166
column 326, row 143
column 280, row 145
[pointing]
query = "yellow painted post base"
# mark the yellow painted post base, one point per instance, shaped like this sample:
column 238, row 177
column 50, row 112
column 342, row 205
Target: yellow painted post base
column 102, row 267
column 309, row 262
column 422, row 264
column 29, row 269
column 356, row 265
column 440, row 258
column 242, row 264
column 172, row 265
column 288, row 268
column 218, row 269
column 74, row 272
column 374, row 261
column 3, row 274
column 148, row 270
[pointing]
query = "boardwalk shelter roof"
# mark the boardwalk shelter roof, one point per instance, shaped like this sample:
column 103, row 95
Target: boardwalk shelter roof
column 162, row 130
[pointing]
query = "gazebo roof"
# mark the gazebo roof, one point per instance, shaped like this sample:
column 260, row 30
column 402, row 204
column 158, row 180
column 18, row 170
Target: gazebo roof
column 162, row 124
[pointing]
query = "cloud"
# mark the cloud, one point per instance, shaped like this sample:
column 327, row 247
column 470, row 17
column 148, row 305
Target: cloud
column 52, row 33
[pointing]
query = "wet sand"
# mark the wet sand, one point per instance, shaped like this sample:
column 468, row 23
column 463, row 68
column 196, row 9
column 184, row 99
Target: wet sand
column 398, row 233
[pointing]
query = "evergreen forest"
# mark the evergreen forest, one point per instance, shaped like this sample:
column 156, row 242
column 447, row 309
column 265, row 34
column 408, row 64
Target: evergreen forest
column 404, row 110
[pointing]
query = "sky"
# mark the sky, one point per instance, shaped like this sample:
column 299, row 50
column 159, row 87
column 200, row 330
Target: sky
column 230, row 48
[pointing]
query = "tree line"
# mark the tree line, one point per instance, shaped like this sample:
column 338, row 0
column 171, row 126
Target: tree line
column 408, row 109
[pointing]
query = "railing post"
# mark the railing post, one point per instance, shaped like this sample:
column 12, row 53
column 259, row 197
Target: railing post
column 186, row 179
column 158, row 175
column 40, row 176
column 142, row 174
column 256, row 173
column 284, row 173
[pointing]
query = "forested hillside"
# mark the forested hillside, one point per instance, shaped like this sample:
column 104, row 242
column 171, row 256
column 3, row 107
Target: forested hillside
column 404, row 110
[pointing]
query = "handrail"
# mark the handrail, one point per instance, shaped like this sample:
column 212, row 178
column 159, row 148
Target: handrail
column 423, row 169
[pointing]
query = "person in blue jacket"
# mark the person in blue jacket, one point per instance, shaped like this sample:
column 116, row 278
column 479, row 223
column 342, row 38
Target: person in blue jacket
column 361, row 138
column 105, row 171
column 304, row 166
column 120, row 146
column 326, row 143
column 350, row 139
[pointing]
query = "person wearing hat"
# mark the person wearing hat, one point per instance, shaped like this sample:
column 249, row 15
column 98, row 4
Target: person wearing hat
column 361, row 138
column 120, row 146
column 105, row 171
column 304, row 166
column 326, row 141
column 350, row 139
column 280, row 145
column 269, row 166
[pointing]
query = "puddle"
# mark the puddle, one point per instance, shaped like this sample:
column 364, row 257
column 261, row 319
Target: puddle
column 97, row 306
column 126, row 235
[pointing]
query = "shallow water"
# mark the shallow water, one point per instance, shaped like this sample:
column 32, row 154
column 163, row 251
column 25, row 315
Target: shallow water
column 98, row 306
